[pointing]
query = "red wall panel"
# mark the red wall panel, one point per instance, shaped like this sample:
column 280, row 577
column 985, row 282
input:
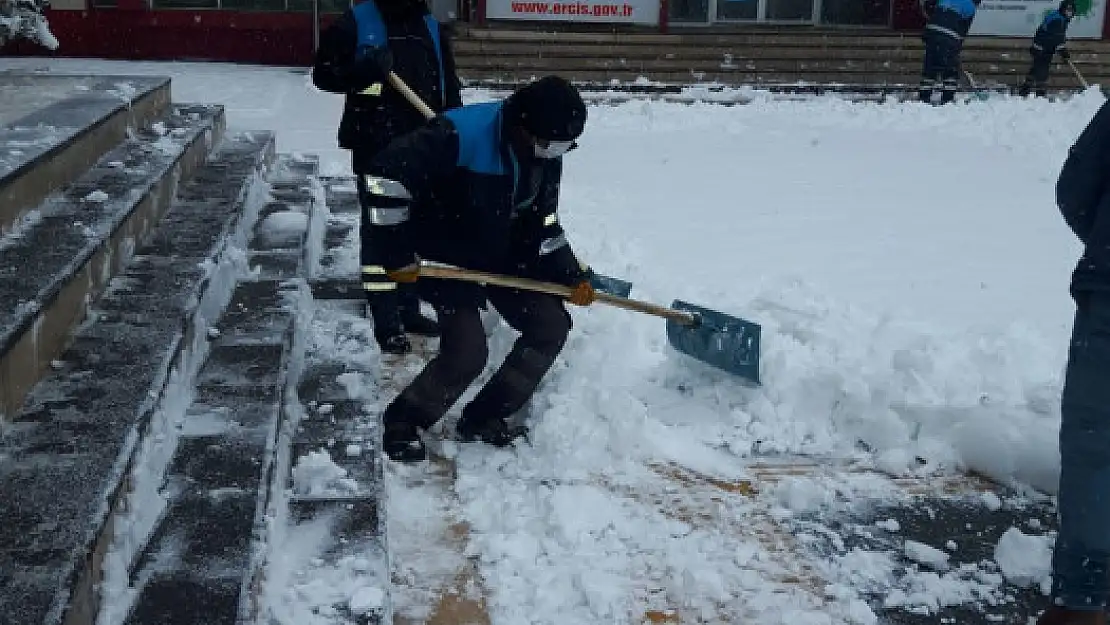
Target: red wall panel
column 243, row 37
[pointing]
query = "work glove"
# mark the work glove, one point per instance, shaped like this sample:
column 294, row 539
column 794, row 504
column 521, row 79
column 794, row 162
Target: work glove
column 583, row 294
column 372, row 66
column 407, row 274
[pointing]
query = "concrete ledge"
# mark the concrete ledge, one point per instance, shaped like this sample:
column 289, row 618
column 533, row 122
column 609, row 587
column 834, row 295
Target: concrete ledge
column 747, row 56
column 777, row 82
column 52, row 268
column 65, row 459
column 53, row 145
column 207, row 548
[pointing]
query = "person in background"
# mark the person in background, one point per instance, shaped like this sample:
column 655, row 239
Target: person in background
column 357, row 53
column 948, row 24
column 1051, row 38
column 1081, row 558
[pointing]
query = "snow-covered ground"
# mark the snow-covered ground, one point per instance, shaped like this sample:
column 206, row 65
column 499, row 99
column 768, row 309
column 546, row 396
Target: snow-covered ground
column 910, row 271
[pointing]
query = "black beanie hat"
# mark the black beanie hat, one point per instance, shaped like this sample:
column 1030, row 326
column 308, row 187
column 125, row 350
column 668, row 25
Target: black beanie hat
column 549, row 108
column 1067, row 4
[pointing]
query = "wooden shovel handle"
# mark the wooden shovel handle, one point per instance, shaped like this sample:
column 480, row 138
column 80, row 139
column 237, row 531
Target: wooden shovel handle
column 411, row 96
column 1082, row 80
column 513, row 282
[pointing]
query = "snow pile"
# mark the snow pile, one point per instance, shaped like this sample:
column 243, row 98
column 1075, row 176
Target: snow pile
column 317, row 475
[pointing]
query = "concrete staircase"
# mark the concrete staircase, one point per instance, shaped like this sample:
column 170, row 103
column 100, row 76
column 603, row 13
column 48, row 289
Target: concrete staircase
column 153, row 268
column 781, row 59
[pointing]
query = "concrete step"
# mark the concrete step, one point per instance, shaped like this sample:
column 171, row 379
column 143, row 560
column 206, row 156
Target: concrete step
column 341, row 233
column 68, row 458
column 337, row 433
column 800, row 66
column 62, row 256
column 790, row 37
column 467, row 49
column 54, row 127
column 204, row 561
column 784, row 81
column 747, row 56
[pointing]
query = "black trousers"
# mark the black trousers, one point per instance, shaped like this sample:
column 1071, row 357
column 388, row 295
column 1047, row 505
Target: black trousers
column 387, row 300
column 941, row 68
column 1037, row 78
column 543, row 323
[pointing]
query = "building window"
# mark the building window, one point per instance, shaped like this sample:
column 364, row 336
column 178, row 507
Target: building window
column 326, row 6
column 186, row 4
column 855, row 12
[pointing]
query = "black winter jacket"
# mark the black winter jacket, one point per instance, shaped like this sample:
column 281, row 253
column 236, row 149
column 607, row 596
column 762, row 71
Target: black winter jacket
column 370, row 122
column 950, row 20
column 1051, row 35
column 475, row 204
column 1083, row 195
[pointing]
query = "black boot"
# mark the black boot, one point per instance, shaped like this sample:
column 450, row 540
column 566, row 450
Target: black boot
column 401, row 442
column 397, row 344
column 496, row 432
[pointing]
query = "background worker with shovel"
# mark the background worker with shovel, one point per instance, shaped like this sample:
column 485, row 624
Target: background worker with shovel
column 1050, row 39
column 356, row 56
column 478, row 187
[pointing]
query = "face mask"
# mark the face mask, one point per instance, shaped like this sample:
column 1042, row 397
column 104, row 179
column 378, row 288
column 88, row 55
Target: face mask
column 551, row 149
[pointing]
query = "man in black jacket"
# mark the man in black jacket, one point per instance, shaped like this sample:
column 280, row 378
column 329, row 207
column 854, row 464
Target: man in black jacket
column 356, row 54
column 478, row 188
column 1081, row 560
column 948, row 24
column 1051, row 38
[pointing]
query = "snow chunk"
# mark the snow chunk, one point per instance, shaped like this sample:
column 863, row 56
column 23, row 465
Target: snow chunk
column 926, row 555
column 317, row 475
column 991, row 501
column 1025, row 560
column 96, row 196
column 890, row 525
column 366, row 599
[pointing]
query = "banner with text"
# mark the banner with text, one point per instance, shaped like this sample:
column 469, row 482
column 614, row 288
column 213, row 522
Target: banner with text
column 616, row 12
column 1020, row 18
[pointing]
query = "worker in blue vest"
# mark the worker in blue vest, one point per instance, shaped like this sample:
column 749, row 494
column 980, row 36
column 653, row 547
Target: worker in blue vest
column 498, row 168
column 1050, row 39
column 948, row 24
column 356, row 54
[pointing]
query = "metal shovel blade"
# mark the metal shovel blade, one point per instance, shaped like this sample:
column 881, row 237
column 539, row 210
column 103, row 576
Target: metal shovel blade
column 722, row 341
column 612, row 286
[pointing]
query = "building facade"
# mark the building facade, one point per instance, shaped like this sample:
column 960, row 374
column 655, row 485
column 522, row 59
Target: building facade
column 284, row 32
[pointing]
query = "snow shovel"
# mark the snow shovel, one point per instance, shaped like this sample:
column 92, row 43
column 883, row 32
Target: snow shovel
column 722, row 341
column 980, row 94
column 1082, row 80
column 613, row 286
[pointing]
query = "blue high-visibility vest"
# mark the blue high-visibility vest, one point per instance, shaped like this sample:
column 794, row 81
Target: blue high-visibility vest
column 372, row 34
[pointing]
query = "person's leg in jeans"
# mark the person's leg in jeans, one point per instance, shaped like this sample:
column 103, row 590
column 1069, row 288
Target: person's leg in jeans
column 543, row 323
column 1080, row 585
